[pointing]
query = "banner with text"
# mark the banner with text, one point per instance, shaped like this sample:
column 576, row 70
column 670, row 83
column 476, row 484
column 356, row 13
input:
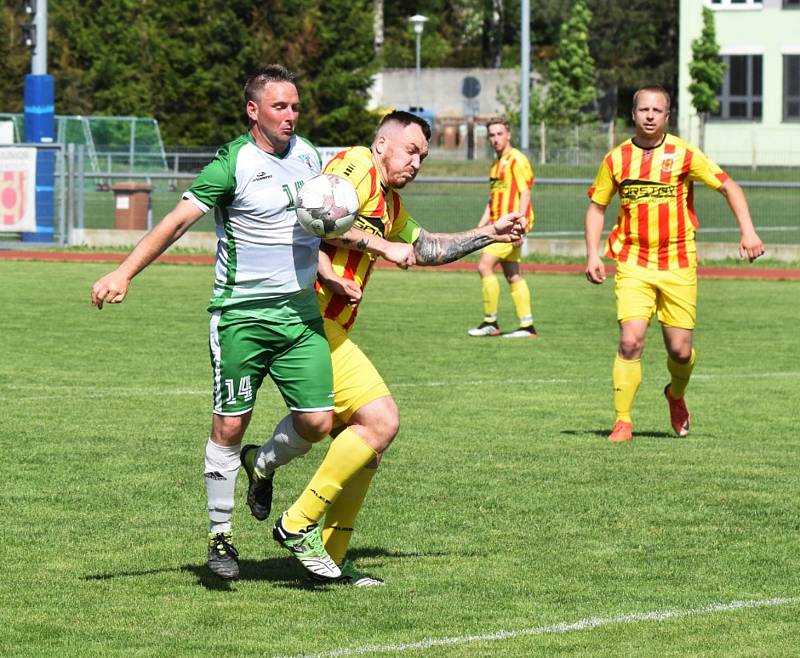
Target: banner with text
column 17, row 189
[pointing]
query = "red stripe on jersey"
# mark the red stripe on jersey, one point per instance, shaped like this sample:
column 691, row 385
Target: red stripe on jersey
column 627, row 152
column 646, row 164
column 373, row 178
column 687, row 162
column 626, row 231
column 690, row 205
column 338, row 303
column 722, row 177
column 666, row 172
column 680, row 237
column 663, row 236
column 351, row 320
column 512, row 194
column 643, row 228
column 610, row 162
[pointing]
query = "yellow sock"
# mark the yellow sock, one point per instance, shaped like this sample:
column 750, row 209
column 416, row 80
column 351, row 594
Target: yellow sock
column 680, row 375
column 627, row 375
column 341, row 517
column 491, row 297
column 347, row 455
column 521, row 296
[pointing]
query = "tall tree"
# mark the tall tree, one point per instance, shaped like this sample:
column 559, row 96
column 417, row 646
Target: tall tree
column 571, row 76
column 706, row 70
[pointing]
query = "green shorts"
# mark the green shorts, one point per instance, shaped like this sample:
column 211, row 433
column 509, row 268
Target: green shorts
column 244, row 349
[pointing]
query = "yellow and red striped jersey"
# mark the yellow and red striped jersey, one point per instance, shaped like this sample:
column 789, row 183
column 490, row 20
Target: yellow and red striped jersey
column 381, row 212
column 510, row 173
column 656, row 223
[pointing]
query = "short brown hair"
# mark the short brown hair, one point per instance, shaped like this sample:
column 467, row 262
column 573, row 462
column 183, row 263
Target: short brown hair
column 498, row 119
column 263, row 76
column 404, row 119
column 656, row 89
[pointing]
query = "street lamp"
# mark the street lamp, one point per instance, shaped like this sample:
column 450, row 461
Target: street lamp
column 418, row 23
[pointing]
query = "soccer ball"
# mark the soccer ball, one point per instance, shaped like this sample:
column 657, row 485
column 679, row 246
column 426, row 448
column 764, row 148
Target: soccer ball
column 327, row 205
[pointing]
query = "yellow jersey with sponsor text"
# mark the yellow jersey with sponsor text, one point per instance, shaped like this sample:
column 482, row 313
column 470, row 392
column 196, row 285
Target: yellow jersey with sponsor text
column 510, row 174
column 656, row 223
column 381, row 212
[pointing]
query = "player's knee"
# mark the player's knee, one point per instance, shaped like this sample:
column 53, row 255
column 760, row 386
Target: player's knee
column 229, row 430
column 631, row 347
column 313, row 425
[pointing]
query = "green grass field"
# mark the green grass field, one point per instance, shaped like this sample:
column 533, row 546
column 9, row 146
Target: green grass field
column 502, row 520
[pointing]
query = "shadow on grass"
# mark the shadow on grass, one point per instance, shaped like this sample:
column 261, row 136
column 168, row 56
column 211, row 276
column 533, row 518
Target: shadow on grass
column 638, row 434
column 282, row 571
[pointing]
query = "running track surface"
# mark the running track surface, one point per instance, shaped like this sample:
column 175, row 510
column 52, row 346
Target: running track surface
column 115, row 257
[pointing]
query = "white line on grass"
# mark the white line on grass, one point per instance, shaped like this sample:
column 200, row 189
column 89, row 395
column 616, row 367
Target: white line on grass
column 564, row 627
column 96, row 392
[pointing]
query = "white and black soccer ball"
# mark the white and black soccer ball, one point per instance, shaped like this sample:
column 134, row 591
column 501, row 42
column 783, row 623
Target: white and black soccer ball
column 327, row 205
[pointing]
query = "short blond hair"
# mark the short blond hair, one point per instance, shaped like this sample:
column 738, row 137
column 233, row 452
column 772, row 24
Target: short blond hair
column 498, row 120
column 656, row 89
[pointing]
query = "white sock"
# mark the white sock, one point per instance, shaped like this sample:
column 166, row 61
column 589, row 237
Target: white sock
column 283, row 447
column 221, row 467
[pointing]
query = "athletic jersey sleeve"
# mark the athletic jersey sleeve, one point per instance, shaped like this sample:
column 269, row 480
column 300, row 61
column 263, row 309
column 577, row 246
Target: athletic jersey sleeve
column 604, row 187
column 705, row 171
column 215, row 184
column 355, row 164
column 522, row 172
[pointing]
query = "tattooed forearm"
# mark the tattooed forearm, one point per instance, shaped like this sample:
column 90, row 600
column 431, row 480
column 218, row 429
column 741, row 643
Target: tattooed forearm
column 360, row 242
column 441, row 248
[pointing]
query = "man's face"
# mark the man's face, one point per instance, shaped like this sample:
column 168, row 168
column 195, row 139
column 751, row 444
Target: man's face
column 275, row 115
column 499, row 137
column 401, row 150
column 650, row 116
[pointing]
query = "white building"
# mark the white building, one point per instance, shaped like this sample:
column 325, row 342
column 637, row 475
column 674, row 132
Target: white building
column 759, row 118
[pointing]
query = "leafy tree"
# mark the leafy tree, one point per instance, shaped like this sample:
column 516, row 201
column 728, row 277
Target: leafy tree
column 330, row 46
column 706, row 70
column 15, row 60
column 571, row 73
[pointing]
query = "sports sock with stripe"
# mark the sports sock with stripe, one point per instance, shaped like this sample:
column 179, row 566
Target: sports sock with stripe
column 521, row 296
column 490, row 288
column 221, row 467
column 341, row 517
column 626, row 377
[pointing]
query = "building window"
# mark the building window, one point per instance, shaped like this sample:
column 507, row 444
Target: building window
column 738, row 4
column 791, row 4
column 791, row 87
column 740, row 96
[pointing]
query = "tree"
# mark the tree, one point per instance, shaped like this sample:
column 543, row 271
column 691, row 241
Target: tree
column 706, row 70
column 570, row 84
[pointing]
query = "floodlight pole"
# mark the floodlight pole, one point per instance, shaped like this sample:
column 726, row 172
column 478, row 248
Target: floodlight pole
column 418, row 22
column 525, row 74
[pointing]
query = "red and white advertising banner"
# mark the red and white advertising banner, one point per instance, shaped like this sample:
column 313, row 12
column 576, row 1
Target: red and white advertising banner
column 17, row 189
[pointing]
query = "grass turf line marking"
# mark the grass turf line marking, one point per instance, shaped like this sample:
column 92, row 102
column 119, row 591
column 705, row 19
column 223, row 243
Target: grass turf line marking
column 564, row 627
column 96, row 392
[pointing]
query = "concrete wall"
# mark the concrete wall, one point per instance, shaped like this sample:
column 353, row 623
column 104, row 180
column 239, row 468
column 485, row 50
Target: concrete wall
column 440, row 90
column 768, row 30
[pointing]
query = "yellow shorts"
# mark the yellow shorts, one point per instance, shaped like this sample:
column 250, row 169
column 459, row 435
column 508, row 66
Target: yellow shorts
column 504, row 251
column 355, row 380
column 670, row 294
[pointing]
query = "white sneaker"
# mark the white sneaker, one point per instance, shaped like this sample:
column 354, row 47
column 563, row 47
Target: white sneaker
column 522, row 332
column 485, row 329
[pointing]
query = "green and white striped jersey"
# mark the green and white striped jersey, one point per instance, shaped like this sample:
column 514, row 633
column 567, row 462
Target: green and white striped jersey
column 262, row 251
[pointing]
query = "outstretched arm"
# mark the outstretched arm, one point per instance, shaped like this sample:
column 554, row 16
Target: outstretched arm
column 441, row 248
column 113, row 287
column 398, row 253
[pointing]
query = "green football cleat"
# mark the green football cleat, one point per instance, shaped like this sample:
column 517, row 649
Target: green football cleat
column 351, row 576
column 223, row 558
column 307, row 547
column 259, row 490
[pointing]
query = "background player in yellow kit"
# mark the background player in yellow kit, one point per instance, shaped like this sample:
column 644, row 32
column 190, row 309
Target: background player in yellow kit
column 510, row 180
column 365, row 410
column 654, row 245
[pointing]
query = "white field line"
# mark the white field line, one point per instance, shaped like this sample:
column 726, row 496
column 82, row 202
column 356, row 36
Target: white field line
column 8, row 392
column 564, row 627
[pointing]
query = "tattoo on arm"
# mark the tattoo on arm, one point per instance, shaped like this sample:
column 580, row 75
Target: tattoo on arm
column 360, row 243
column 441, row 248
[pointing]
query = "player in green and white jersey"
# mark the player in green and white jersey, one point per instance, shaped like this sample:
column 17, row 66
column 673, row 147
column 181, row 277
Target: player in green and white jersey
column 265, row 317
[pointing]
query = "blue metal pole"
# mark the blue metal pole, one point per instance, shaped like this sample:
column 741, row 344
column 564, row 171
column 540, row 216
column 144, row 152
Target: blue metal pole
column 39, row 106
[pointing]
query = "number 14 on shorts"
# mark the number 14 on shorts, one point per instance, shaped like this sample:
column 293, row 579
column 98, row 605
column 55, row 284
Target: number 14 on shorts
column 245, row 390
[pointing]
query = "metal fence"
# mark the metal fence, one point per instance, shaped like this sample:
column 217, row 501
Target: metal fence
column 85, row 200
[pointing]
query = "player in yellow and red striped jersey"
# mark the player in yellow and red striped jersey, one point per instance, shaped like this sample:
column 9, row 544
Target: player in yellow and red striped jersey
column 510, row 182
column 654, row 245
column 364, row 409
